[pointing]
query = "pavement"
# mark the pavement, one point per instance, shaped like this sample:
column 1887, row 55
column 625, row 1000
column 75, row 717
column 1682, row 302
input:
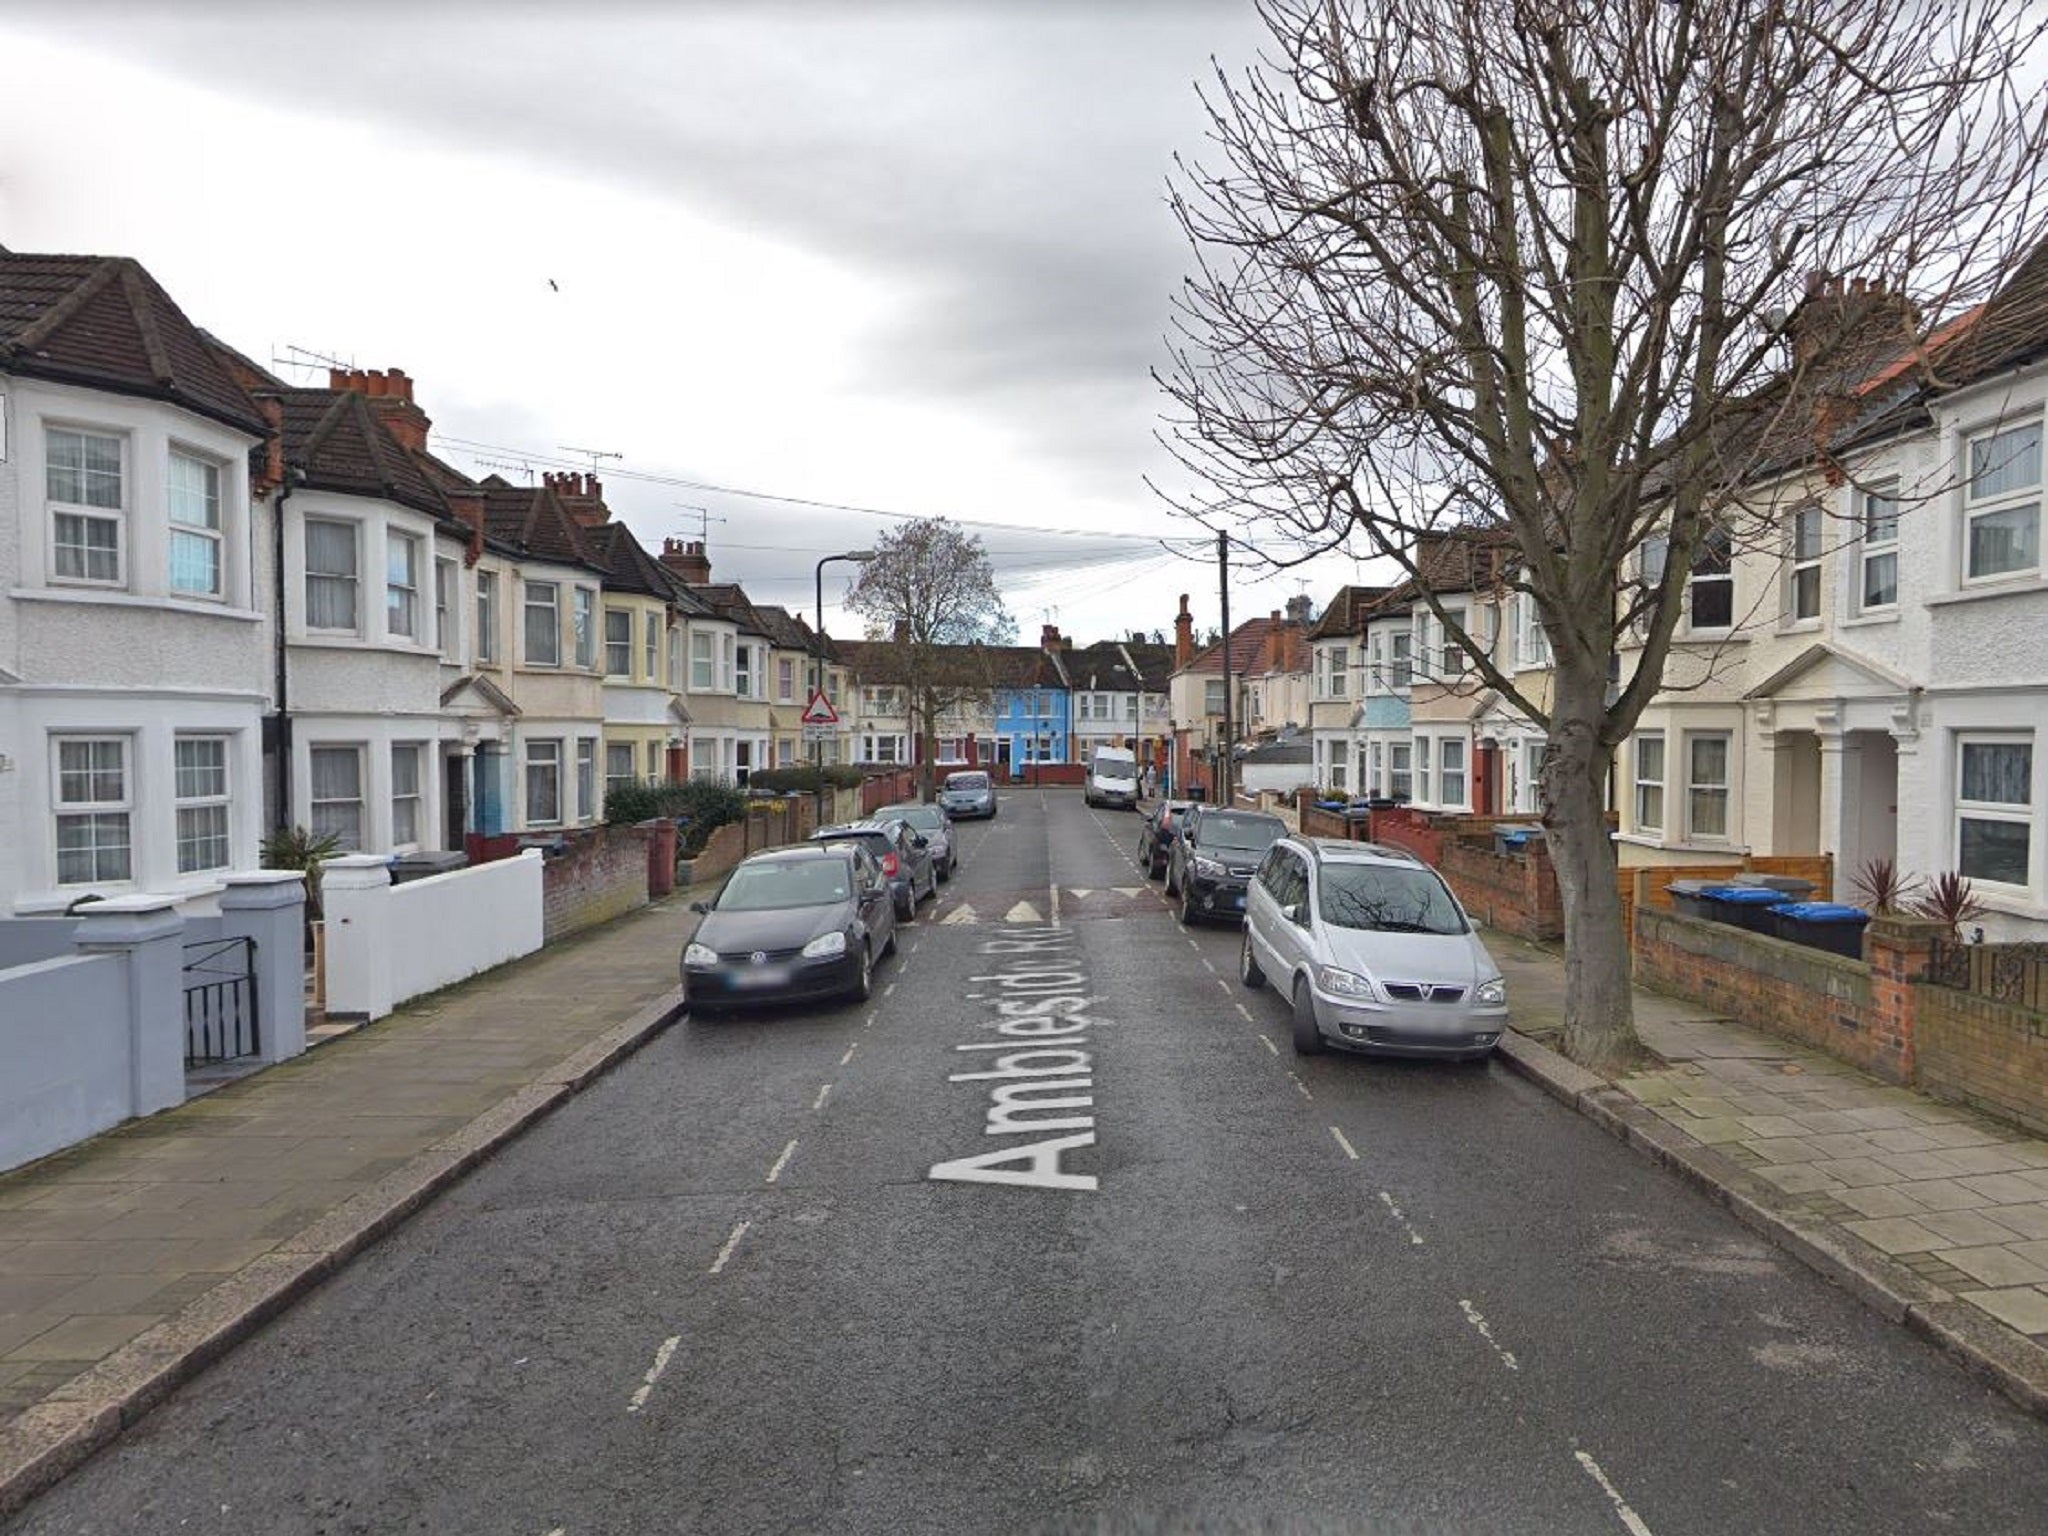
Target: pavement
column 129, row 1263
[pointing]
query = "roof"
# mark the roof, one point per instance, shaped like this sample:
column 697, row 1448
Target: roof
column 104, row 322
column 531, row 520
column 2010, row 328
column 625, row 562
column 783, row 627
column 1119, row 665
column 1253, row 646
column 1346, row 615
column 729, row 601
column 335, row 438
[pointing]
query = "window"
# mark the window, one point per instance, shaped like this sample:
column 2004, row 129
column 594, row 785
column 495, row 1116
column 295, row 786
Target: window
column 1336, row 670
column 1879, row 520
column 330, row 575
column 543, row 783
column 337, row 798
column 543, row 624
column 1994, row 809
column 201, row 789
column 744, row 671
column 1423, row 777
column 486, row 615
column 1712, row 593
column 194, row 495
column 1339, row 771
column 785, row 753
column 785, row 680
column 882, row 749
column 618, row 642
column 1706, row 785
column 401, row 584
column 1805, row 582
column 650, row 651
column 742, row 760
column 92, row 810
column 2002, row 502
column 84, row 482
column 725, row 663
column 1532, row 641
column 1400, row 781
column 1650, row 783
column 1403, row 654
column 586, row 778
column 618, row 766
column 656, row 769
column 444, row 608
column 675, row 658
column 1451, row 770
column 1212, row 696
column 701, row 674
column 584, row 614
column 405, row 794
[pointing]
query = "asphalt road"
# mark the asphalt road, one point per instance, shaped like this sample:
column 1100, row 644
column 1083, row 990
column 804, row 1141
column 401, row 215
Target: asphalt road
column 722, row 1292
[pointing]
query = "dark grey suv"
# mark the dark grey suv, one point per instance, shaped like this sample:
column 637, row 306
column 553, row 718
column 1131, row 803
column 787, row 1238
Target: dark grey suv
column 1212, row 860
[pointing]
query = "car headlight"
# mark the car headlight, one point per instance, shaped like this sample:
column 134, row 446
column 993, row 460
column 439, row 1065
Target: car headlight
column 824, row 946
column 1210, row 869
column 1492, row 993
column 700, row 954
column 1342, row 983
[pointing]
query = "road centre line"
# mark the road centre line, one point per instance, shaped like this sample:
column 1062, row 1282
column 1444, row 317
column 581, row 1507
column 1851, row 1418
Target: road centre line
column 1245, row 1013
column 850, row 1050
column 1222, row 983
column 1300, row 1087
column 782, row 1162
column 1349, row 1150
column 1414, row 1237
column 1478, row 1320
column 1269, row 1045
column 819, row 1102
column 1630, row 1520
column 662, row 1356
column 725, row 1253
column 888, row 989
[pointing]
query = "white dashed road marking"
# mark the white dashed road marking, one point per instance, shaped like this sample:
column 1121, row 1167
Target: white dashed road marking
column 782, row 1162
column 1414, row 1237
column 1349, row 1150
column 1269, row 1045
column 645, row 1390
column 819, row 1102
column 1478, row 1320
column 1245, row 1012
column 849, row 1053
column 731, row 1243
column 1630, row 1520
column 1300, row 1087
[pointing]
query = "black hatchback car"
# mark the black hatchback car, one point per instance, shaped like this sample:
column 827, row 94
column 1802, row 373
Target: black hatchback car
column 1212, row 860
column 788, row 925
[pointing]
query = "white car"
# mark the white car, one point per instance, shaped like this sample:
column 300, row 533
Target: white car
column 1372, row 951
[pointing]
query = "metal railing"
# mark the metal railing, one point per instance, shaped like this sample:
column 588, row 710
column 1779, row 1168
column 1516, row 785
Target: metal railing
column 220, row 1001
column 2004, row 973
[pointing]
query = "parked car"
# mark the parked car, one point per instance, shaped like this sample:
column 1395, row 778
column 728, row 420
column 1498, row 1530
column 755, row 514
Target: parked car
column 1212, row 860
column 1156, row 833
column 968, row 794
column 937, row 831
column 1112, row 778
column 791, row 924
column 1372, row 951
column 902, row 851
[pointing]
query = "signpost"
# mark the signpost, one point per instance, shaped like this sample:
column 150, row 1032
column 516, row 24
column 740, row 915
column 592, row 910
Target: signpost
column 820, row 719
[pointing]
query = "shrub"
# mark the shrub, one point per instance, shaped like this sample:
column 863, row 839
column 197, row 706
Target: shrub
column 297, row 848
column 703, row 805
column 1886, row 887
column 1951, row 899
column 782, row 780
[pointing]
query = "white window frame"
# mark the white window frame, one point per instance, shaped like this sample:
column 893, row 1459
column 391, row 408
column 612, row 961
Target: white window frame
column 2020, row 813
column 727, row 647
column 1532, row 640
column 529, row 608
column 1401, row 661
column 1710, row 573
column 1985, row 459
column 743, row 670
column 583, row 623
column 785, row 680
column 1804, row 535
column 650, row 643
column 586, row 778
column 350, row 581
column 1401, row 771
column 543, row 757
column 1699, row 791
column 100, row 813
column 703, row 661
column 613, row 778
column 1425, row 779
column 407, row 806
column 211, row 802
column 1447, row 748
column 486, row 615
column 359, row 800
column 401, row 596
column 208, row 534
column 1877, row 522
column 447, row 593
column 618, row 648
column 61, row 509
column 1648, row 785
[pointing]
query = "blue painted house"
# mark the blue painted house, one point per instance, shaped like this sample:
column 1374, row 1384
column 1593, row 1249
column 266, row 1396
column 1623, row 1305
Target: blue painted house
column 1034, row 705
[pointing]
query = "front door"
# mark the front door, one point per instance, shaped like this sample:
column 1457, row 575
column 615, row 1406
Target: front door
column 454, row 800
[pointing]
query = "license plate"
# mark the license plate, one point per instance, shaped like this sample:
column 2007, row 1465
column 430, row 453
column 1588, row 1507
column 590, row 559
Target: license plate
column 760, row 976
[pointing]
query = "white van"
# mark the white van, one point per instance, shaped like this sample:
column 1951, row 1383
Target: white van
column 1112, row 778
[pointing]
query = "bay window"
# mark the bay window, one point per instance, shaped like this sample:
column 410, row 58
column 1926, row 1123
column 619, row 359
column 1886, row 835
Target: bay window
column 1451, row 771
column 331, row 573
column 586, row 778
column 486, row 615
column 1650, row 782
column 583, row 614
column 94, row 801
column 543, row 624
column 85, row 483
column 543, row 783
column 1804, row 593
column 401, row 584
column 405, row 794
column 1706, row 784
column 200, row 790
column 1879, row 523
column 618, row 642
column 194, row 505
column 336, row 777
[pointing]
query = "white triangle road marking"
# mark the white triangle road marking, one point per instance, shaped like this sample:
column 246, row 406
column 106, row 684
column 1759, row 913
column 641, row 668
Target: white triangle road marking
column 1023, row 912
column 960, row 914
column 1129, row 890
column 1080, row 890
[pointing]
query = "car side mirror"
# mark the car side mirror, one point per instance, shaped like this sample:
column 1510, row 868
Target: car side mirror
column 920, row 841
column 1296, row 912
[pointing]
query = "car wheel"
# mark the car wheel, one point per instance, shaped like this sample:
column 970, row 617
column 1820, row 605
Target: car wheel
column 905, row 909
column 946, row 872
column 863, row 977
column 1248, row 970
column 702, row 1013
column 1187, row 905
column 1308, row 1039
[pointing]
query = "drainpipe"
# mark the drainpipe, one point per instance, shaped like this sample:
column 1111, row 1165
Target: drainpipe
column 281, row 733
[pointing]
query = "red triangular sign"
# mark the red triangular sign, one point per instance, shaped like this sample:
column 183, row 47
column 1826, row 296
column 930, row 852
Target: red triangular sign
column 820, row 711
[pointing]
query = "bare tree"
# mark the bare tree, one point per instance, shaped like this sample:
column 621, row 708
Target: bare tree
column 931, row 605
column 1523, row 266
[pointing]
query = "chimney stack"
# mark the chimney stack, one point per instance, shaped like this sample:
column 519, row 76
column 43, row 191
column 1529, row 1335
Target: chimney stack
column 581, row 495
column 390, row 395
column 688, row 561
column 1183, row 635
column 1049, row 637
column 1300, row 609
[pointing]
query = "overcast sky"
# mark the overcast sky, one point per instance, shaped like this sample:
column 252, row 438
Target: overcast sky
column 912, row 257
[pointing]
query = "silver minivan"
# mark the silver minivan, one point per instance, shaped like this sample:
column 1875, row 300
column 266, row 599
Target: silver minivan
column 1372, row 951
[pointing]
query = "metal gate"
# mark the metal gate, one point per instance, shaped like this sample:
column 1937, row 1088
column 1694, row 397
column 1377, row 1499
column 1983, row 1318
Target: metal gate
column 220, row 1001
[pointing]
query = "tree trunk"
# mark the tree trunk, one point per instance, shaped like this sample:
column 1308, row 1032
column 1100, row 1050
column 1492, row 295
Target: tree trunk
column 1599, row 1014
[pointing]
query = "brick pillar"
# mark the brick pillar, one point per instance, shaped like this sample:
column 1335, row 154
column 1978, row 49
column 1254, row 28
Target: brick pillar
column 661, row 857
column 1897, row 949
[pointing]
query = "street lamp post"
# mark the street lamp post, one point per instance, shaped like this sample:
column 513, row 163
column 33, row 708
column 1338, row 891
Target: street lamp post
column 858, row 557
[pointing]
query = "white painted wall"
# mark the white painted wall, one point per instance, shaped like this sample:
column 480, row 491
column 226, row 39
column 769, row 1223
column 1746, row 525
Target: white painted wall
column 386, row 944
column 64, row 1036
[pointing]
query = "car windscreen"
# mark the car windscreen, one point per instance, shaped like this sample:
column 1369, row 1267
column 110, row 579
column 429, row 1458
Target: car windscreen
column 1238, row 834
column 967, row 781
column 787, row 883
column 1383, row 899
column 1116, row 770
column 926, row 818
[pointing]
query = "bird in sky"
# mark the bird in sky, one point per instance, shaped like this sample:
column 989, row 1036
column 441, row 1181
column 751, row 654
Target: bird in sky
column 554, row 285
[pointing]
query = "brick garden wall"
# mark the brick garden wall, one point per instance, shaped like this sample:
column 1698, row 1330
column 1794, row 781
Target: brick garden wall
column 1514, row 892
column 1991, row 1056
column 602, row 876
